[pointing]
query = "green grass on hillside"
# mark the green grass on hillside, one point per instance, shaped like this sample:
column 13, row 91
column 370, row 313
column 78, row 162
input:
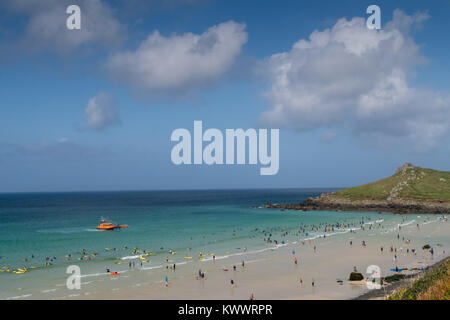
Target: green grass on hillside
column 434, row 285
column 416, row 183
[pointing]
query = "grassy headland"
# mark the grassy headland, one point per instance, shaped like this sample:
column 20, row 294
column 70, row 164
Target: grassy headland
column 410, row 190
column 408, row 182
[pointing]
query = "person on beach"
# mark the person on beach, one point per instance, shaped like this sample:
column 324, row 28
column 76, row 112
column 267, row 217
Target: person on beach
column 313, row 283
column 232, row 283
column 252, row 297
column 295, row 261
column 243, row 264
column 301, row 281
column 166, row 281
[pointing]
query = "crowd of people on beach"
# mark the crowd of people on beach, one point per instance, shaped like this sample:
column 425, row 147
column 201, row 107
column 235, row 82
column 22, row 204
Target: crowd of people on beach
column 273, row 237
column 365, row 224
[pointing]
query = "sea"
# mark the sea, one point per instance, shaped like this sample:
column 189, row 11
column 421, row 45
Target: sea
column 44, row 233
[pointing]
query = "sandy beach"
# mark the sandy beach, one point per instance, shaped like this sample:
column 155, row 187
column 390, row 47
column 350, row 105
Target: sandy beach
column 273, row 274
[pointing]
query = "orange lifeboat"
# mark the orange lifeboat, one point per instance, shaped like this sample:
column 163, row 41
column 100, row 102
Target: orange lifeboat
column 109, row 226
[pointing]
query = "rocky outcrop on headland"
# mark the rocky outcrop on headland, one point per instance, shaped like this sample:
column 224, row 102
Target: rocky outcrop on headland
column 329, row 202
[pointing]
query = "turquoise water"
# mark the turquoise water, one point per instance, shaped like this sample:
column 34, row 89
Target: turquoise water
column 60, row 228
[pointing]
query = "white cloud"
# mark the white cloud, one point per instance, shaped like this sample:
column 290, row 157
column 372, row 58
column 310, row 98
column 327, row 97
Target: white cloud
column 179, row 62
column 358, row 78
column 100, row 112
column 46, row 27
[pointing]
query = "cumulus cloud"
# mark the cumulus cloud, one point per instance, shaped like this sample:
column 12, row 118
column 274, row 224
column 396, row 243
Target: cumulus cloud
column 357, row 78
column 46, row 24
column 179, row 62
column 101, row 113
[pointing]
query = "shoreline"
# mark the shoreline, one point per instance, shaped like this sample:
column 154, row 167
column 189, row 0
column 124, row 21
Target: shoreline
column 272, row 274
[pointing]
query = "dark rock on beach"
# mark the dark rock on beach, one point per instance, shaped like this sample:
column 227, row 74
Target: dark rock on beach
column 356, row 276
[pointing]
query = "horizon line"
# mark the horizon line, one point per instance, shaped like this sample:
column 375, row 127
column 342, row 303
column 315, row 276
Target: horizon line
column 168, row 190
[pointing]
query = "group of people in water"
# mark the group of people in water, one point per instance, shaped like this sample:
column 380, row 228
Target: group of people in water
column 303, row 233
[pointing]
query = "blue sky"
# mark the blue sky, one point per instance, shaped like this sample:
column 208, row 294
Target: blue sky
column 95, row 110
